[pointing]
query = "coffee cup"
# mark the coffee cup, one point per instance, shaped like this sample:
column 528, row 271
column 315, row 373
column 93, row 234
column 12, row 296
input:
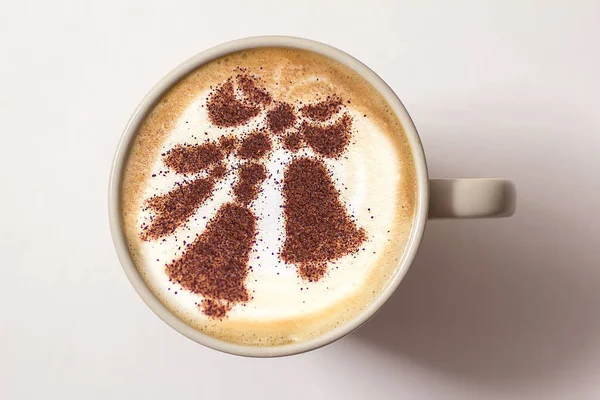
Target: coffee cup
column 435, row 198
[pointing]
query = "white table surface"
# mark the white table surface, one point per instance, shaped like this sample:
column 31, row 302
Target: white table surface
column 490, row 309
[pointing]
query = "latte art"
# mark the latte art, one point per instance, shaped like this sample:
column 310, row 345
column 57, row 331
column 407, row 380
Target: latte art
column 268, row 196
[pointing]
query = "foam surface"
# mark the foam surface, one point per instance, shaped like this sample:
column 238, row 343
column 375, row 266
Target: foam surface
column 374, row 176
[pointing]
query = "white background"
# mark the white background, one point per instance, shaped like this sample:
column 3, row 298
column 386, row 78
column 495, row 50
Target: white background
column 490, row 309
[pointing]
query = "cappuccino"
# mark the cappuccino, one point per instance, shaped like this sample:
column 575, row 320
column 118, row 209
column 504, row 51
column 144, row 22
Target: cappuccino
column 268, row 197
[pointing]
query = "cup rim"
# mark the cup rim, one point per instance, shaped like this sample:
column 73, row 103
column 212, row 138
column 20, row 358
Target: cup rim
column 150, row 100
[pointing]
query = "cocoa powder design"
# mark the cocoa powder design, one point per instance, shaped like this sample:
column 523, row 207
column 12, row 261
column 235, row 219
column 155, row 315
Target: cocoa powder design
column 318, row 229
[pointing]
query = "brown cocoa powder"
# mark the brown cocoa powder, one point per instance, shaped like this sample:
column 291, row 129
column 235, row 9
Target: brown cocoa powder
column 173, row 209
column 250, row 177
column 281, row 118
column 330, row 140
column 317, row 226
column 324, row 110
column 192, row 159
column 215, row 265
column 255, row 146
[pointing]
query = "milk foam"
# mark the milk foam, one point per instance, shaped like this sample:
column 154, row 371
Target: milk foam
column 367, row 176
column 374, row 177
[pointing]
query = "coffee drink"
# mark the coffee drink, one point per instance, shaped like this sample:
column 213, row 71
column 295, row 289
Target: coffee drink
column 268, row 197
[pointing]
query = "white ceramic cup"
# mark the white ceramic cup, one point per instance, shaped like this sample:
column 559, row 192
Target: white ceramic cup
column 436, row 198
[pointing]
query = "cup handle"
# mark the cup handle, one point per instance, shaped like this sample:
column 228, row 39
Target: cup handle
column 471, row 198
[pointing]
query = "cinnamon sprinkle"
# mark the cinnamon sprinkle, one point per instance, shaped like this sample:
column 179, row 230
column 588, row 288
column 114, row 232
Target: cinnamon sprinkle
column 218, row 171
column 214, row 308
column 254, row 94
column 292, row 142
column 174, row 208
column 250, row 177
column 281, row 118
column 227, row 144
column 312, row 272
column 328, row 141
column 225, row 110
column 215, row 265
column 324, row 110
column 317, row 226
column 255, row 146
column 192, row 159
